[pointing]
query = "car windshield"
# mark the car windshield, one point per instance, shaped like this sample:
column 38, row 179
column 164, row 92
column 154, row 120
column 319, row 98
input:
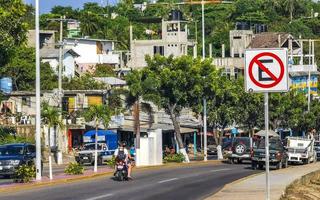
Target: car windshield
column 242, row 140
column 92, row 147
column 274, row 144
column 11, row 150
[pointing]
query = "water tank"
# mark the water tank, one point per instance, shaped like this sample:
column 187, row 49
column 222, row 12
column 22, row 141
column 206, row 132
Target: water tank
column 6, row 85
column 242, row 26
column 175, row 15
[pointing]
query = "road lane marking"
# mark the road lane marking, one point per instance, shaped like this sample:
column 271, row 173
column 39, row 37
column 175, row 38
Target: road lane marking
column 100, row 197
column 168, row 180
column 218, row 170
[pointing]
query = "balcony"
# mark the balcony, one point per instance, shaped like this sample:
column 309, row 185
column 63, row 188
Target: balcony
column 302, row 68
column 109, row 59
column 229, row 62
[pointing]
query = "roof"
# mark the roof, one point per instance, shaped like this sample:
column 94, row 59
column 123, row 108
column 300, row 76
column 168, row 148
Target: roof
column 271, row 40
column 54, row 53
column 297, row 74
column 90, row 39
column 111, row 81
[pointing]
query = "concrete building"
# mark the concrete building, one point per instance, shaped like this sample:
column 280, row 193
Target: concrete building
column 51, row 56
column 301, row 61
column 73, row 28
column 92, row 52
column 47, row 39
column 173, row 41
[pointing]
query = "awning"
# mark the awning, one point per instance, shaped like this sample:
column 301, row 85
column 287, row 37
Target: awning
column 262, row 133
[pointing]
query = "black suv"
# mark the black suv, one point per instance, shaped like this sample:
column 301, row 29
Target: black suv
column 238, row 149
column 14, row 155
column 277, row 154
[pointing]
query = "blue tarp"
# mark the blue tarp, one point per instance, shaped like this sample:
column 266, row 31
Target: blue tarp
column 107, row 136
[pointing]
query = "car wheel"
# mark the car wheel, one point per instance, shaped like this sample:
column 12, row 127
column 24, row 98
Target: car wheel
column 240, row 149
column 260, row 166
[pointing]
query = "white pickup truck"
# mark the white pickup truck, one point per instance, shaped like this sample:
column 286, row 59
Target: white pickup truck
column 301, row 150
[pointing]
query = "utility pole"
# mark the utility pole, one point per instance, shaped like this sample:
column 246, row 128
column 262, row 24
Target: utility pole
column 205, row 156
column 203, row 29
column 309, row 76
column 38, row 114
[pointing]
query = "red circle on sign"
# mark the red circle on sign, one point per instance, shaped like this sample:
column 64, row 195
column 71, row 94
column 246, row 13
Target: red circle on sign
column 255, row 60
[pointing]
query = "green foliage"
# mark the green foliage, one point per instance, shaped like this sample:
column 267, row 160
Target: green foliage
column 8, row 135
column 25, row 173
column 12, row 27
column 98, row 114
column 84, row 82
column 51, row 115
column 21, row 68
column 112, row 162
column 74, row 169
column 179, row 158
column 104, row 70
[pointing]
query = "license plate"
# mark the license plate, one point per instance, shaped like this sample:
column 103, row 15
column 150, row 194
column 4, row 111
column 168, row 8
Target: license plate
column 262, row 159
column 120, row 167
column 1, row 168
column 85, row 157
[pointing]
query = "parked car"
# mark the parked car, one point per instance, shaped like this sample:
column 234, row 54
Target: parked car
column 86, row 154
column 14, row 155
column 277, row 154
column 317, row 149
column 300, row 150
column 238, row 149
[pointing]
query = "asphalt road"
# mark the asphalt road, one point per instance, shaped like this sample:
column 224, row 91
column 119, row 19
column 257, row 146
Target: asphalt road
column 187, row 182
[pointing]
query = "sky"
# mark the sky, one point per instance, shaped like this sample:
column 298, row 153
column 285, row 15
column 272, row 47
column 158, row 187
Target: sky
column 46, row 5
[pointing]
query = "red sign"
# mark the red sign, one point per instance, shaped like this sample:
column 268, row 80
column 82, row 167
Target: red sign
column 274, row 78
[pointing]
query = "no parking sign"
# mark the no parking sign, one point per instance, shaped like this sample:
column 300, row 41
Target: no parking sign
column 266, row 70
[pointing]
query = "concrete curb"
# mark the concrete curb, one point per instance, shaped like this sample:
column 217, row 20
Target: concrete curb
column 34, row 185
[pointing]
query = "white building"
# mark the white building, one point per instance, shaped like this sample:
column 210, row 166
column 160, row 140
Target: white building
column 92, row 52
column 51, row 56
column 173, row 41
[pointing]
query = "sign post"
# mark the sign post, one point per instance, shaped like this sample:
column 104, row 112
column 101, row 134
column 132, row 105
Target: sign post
column 266, row 70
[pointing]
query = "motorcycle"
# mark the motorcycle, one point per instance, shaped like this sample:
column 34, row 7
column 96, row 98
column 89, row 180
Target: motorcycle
column 121, row 173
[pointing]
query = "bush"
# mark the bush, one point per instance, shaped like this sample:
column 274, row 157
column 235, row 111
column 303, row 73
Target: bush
column 74, row 169
column 25, row 173
column 174, row 158
column 112, row 162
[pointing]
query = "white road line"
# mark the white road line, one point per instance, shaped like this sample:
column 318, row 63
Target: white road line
column 168, row 180
column 218, row 170
column 100, row 197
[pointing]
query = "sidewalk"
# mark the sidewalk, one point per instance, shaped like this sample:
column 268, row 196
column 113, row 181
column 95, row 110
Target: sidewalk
column 253, row 187
column 58, row 178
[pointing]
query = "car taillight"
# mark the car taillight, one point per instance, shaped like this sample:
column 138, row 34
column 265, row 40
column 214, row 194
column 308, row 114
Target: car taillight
column 278, row 155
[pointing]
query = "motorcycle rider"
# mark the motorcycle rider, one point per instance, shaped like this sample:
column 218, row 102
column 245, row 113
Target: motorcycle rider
column 123, row 154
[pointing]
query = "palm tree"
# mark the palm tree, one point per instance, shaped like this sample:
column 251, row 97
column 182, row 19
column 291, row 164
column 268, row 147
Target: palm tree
column 51, row 117
column 134, row 94
column 98, row 114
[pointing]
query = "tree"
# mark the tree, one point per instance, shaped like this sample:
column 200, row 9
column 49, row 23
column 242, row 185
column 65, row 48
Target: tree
column 99, row 114
column 134, row 94
column 22, row 71
column 12, row 27
column 173, row 84
column 51, row 117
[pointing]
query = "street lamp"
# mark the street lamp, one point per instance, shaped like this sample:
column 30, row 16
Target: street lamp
column 38, row 114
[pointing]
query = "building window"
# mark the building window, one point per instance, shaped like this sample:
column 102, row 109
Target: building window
column 227, row 73
column 236, row 37
column 26, row 101
column 158, row 50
